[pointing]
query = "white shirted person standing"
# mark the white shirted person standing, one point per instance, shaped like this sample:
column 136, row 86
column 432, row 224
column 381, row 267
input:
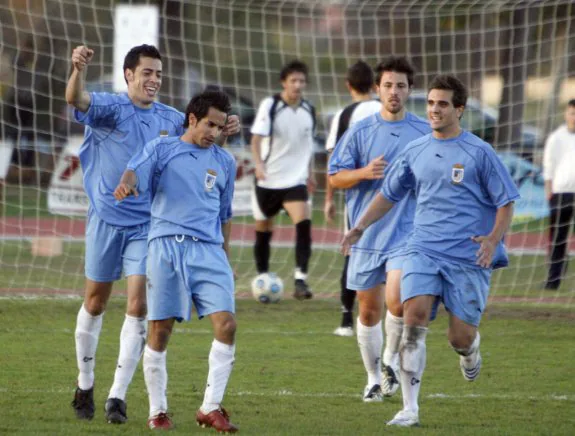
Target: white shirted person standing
column 282, row 149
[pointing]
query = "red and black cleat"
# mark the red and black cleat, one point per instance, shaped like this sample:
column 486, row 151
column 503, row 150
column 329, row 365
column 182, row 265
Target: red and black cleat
column 217, row 419
column 162, row 421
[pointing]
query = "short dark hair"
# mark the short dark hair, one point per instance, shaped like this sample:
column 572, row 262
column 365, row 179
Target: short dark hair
column 295, row 66
column 395, row 64
column 449, row 82
column 132, row 58
column 571, row 102
column 360, row 77
column 200, row 104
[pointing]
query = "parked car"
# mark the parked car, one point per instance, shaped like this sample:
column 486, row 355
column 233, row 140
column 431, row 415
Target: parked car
column 529, row 180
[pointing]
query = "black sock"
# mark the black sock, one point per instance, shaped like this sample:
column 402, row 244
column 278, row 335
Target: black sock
column 262, row 251
column 303, row 245
column 347, row 298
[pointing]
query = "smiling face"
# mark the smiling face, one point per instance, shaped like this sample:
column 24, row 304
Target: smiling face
column 393, row 90
column 205, row 131
column 442, row 115
column 145, row 81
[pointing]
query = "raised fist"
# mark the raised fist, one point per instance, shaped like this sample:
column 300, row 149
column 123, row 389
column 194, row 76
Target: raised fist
column 81, row 56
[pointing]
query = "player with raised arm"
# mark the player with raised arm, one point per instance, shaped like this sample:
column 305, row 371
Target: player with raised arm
column 357, row 165
column 464, row 205
column 282, row 149
column 191, row 182
column 117, row 127
column 359, row 82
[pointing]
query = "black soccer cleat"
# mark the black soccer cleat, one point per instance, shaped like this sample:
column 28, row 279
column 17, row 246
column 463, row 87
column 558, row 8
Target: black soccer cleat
column 83, row 403
column 116, row 411
column 302, row 291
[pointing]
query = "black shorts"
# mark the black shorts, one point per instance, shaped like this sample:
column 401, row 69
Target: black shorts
column 270, row 201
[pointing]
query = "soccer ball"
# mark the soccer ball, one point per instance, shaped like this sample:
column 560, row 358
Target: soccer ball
column 267, row 288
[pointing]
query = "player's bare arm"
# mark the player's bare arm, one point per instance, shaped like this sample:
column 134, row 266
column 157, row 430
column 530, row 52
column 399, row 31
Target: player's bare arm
column 256, row 145
column 377, row 209
column 76, row 95
column 489, row 243
column 346, row 179
column 232, row 127
column 226, row 232
column 548, row 189
column 329, row 207
column 311, row 181
column 127, row 186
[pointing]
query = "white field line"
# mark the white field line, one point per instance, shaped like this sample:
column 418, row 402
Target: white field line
column 291, row 394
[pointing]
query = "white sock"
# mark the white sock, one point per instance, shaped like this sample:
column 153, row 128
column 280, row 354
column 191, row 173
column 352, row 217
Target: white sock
column 132, row 342
column 393, row 332
column 469, row 359
column 156, row 377
column 87, row 333
column 299, row 275
column 221, row 362
column 370, row 341
column 412, row 363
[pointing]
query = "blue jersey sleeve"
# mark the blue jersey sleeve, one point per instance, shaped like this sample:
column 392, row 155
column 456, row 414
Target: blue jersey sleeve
column 228, row 194
column 345, row 156
column 398, row 181
column 144, row 164
column 496, row 180
column 102, row 112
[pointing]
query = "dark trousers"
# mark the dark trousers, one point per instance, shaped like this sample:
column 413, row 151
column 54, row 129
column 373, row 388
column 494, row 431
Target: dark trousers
column 562, row 208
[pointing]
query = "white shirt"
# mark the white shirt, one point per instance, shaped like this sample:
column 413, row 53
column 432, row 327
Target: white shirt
column 559, row 160
column 362, row 110
column 287, row 162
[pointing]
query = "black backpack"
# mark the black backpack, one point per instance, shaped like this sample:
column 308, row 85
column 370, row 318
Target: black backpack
column 274, row 111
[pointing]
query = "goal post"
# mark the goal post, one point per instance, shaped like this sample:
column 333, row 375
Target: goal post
column 516, row 57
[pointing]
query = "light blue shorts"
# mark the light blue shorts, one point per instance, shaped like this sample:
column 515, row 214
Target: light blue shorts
column 369, row 269
column 463, row 289
column 186, row 272
column 111, row 249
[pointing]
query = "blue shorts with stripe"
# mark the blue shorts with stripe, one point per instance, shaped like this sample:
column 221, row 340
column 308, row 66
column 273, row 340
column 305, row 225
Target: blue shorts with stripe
column 183, row 271
column 462, row 288
column 113, row 249
column 369, row 269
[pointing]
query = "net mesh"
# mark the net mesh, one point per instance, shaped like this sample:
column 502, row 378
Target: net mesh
column 515, row 57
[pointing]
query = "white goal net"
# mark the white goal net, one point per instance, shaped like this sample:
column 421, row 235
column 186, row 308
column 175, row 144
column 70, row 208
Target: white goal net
column 516, row 57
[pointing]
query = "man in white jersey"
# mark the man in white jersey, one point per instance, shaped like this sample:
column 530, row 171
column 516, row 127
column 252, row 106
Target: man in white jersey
column 357, row 165
column 191, row 181
column 464, row 205
column 117, row 127
column 359, row 82
column 558, row 159
column 282, row 149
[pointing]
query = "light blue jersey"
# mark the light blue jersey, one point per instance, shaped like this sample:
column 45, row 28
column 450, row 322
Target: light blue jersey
column 459, row 184
column 191, row 188
column 116, row 130
column 366, row 140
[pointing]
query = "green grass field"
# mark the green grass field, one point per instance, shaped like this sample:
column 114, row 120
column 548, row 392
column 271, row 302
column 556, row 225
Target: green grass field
column 20, row 270
column 292, row 377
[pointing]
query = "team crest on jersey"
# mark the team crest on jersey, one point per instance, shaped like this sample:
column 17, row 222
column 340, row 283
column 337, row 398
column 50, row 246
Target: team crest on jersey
column 457, row 173
column 210, row 180
column 163, row 133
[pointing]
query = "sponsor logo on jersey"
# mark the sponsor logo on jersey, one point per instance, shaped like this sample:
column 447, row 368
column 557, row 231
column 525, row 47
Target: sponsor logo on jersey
column 163, row 133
